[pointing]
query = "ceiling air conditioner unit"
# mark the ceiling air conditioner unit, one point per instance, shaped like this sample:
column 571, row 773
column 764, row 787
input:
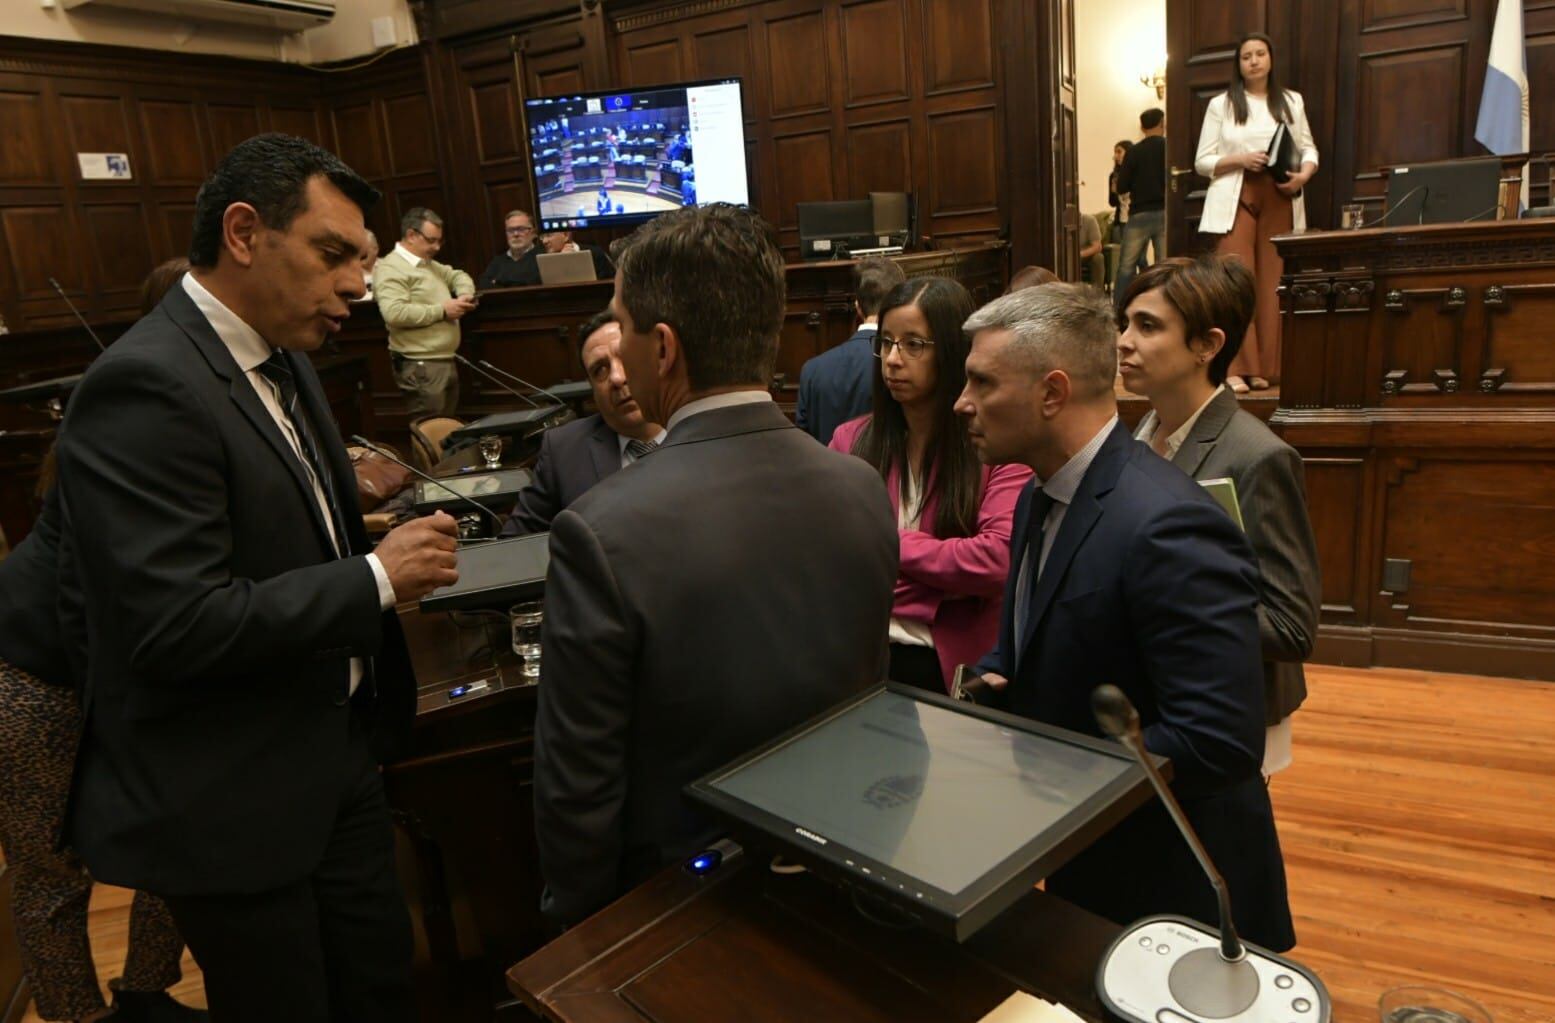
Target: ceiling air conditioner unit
column 276, row 15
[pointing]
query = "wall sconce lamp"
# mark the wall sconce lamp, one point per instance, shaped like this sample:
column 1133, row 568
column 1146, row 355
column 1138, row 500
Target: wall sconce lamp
column 1155, row 80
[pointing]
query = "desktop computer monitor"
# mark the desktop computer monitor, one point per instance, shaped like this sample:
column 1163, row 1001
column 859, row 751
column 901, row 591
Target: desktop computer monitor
column 1447, row 192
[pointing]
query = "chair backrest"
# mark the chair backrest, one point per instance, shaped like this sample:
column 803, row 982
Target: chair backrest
column 427, row 436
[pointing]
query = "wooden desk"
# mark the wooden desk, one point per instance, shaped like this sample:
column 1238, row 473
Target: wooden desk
column 1419, row 386
column 746, row 944
column 463, row 806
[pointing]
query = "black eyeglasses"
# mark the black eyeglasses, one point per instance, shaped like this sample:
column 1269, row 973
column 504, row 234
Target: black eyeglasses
column 911, row 346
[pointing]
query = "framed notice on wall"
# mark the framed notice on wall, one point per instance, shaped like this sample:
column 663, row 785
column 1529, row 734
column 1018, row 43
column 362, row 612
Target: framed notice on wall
column 104, row 166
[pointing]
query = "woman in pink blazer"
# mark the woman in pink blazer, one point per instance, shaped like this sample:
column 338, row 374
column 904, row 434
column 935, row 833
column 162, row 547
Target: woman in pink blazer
column 953, row 513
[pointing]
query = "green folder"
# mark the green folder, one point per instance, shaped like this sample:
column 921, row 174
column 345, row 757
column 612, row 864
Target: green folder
column 1223, row 491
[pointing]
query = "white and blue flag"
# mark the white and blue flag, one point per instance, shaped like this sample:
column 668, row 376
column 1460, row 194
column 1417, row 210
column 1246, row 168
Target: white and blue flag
column 1503, row 107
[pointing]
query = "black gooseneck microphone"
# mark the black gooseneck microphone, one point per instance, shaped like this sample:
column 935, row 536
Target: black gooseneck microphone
column 559, row 403
column 506, row 387
column 375, row 449
column 1400, row 205
column 1166, row 968
column 90, row 332
column 1119, row 719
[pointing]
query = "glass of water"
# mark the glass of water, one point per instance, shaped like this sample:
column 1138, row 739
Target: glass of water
column 491, row 450
column 1352, row 216
column 527, row 619
column 1429, row 1005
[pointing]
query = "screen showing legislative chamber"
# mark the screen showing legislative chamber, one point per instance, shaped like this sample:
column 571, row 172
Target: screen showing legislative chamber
column 627, row 155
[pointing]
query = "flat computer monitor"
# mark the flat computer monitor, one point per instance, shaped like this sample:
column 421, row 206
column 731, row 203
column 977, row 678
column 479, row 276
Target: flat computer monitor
column 623, row 156
column 946, row 811
column 1447, row 192
column 832, row 230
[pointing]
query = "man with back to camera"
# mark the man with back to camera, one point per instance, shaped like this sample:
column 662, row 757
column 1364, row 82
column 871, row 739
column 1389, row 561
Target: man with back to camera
column 733, row 583
column 1142, row 175
column 1124, row 570
column 244, row 669
column 422, row 302
column 838, row 384
column 577, row 455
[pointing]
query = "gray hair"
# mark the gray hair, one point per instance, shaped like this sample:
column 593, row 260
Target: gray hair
column 1071, row 327
column 415, row 217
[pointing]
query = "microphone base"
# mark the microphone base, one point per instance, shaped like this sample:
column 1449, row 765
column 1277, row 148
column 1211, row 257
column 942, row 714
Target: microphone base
column 1168, row 969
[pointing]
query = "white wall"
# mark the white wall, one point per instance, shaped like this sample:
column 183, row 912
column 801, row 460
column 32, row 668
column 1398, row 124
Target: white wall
column 349, row 35
column 1116, row 41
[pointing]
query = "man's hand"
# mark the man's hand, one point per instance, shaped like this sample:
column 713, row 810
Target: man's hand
column 455, row 308
column 420, row 556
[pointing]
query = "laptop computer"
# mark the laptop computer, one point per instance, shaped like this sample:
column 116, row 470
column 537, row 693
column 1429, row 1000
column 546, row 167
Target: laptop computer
column 566, row 267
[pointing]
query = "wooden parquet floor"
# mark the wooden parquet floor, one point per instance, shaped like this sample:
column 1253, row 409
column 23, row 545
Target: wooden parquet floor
column 1418, row 823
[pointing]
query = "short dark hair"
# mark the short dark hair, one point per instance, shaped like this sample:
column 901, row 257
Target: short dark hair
column 159, row 281
column 271, row 173
column 1030, row 277
column 1152, row 118
column 415, row 217
column 715, row 274
column 873, row 279
column 1208, row 291
column 603, row 318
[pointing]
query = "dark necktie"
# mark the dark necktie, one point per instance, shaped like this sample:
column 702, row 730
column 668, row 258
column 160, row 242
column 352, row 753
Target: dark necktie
column 637, row 448
column 279, row 372
column 1030, row 565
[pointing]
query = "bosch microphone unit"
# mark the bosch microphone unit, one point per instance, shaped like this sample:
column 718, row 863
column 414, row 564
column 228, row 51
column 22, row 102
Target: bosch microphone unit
column 1169, row 969
column 466, row 499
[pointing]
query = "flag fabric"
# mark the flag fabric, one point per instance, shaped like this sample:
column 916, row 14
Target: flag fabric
column 1503, row 106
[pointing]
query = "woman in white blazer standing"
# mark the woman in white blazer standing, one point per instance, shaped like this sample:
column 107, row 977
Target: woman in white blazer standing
column 1244, row 205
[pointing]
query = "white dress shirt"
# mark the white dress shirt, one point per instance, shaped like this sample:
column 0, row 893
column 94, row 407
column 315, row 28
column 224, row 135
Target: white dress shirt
column 910, row 631
column 1151, row 424
column 623, row 440
column 716, row 401
column 250, row 351
column 407, row 255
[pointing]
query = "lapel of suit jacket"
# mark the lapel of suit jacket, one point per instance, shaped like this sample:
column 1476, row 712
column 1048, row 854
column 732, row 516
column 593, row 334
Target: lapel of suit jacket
column 182, row 310
column 1083, row 514
column 604, row 449
column 1201, row 440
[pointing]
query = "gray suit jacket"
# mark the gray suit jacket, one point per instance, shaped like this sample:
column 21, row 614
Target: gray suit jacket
column 1228, row 442
column 727, row 586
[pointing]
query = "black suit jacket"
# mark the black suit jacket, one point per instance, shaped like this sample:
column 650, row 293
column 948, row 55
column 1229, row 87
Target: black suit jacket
column 217, row 623
column 29, row 613
column 573, row 457
column 1149, row 585
column 727, row 586
column 836, row 386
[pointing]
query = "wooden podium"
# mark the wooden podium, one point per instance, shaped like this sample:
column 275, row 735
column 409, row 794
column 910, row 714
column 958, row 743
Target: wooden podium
column 1418, row 383
column 751, row 945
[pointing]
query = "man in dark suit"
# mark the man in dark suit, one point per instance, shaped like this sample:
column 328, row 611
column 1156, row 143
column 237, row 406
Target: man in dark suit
column 577, row 455
column 735, row 582
column 518, row 266
column 1125, row 571
column 838, row 384
column 244, row 670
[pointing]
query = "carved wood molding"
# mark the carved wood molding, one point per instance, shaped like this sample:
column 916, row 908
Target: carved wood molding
column 1353, row 296
column 1398, row 467
column 1310, row 296
column 674, row 12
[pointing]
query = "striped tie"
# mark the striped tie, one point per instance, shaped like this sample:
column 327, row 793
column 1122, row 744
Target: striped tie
column 635, row 449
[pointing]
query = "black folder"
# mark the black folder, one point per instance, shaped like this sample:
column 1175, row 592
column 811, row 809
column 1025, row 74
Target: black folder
column 1284, row 157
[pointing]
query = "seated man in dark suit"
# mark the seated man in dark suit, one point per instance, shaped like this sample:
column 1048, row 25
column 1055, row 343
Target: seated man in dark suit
column 733, row 583
column 517, row 266
column 1123, row 570
column 838, row 384
column 577, row 455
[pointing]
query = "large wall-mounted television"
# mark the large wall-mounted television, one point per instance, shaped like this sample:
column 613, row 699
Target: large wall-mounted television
column 624, row 156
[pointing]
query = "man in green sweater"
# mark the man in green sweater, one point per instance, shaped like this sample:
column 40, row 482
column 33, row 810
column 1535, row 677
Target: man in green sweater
column 422, row 301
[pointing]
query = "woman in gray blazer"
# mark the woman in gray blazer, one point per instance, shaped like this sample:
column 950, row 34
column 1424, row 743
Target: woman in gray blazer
column 1186, row 319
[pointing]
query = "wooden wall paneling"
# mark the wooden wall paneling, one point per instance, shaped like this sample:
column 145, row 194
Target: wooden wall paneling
column 799, row 51
column 302, row 121
column 652, row 62
column 1025, row 93
column 1444, row 513
column 963, row 183
column 230, row 123
column 802, row 171
column 1336, row 496
column 1517, row 353
column 41, row 242
column 357, row 139
column 177, row 226
column 958, row 41
column 98, row 124
column 175, row 139
column 880, row 157
column 119, row 239
column 874, row 53
column 407, row 124
column 26, row 158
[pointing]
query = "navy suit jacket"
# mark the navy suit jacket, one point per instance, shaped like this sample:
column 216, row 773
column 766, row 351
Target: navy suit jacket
column 836, row 386
column 1150, row 586
column 573, row 458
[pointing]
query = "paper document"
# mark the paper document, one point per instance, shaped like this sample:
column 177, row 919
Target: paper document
column 1023, row 1008
column 1223, row 490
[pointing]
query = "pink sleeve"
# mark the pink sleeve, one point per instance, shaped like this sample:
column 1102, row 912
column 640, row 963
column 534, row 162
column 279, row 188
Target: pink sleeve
column 976, row 565
column 843, row 438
